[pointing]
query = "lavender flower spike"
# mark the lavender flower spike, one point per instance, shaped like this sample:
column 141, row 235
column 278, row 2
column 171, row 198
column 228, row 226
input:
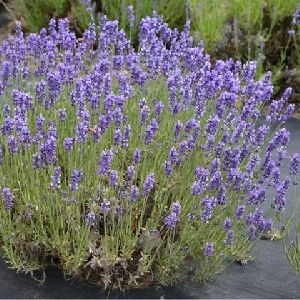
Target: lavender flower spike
column 131, row 16
column 294, row 166
column 77, row 176
column 208, row 250
column 149, row 184
column 7, row 198
column 105, row 206
column 55, row 178
column 90, row 219
column 171, row 221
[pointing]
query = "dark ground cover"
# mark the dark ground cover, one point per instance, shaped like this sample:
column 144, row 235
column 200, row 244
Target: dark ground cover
column 268, row 276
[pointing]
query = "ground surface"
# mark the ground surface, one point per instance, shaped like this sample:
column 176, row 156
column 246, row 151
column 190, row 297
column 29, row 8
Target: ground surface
column 268, row 276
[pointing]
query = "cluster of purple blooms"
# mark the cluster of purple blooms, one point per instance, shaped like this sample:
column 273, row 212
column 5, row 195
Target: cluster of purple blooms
column 172, row 219
column 102, row 74
column 76, row 177
column 7, row 198
column 295, row 21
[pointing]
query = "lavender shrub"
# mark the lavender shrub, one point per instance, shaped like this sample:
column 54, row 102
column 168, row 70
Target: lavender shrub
column 128, row 166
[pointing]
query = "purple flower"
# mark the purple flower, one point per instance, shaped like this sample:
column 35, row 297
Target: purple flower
column 257, row 195
column 201, row 174
column 137, row 155
column 108, row 102
column 212, row 125
column 117, row 136
column 55, row 178
column 7, row 198
column 294, row 166
column 76, row 177
column 208, row 249
column 6, row 110
column 227, row 224
column 126, row 135
column 149, row 184
column 105, row 206
column 252, row 232
column 150, row 131
column 25, row 136
column 253, row 163
column 239, row 212
column 159, row 106
column 291, row 32
column 36, row 161
column 183, row 147
column 90, row 33
column 176, row 208
column 198, row 187
column 144, row 114
column 69, row 143
column 134, row 193
column 142, row 103
column 40, row 122
column 1, row 155
column 71, row 200
column 276, row 175
column 221, row 196
column 219, row 149
column 279, row 200
column 113, row 179
column 288, row 113
column 8, row 125
column 173, row 154
column 118, row 61
column 177, row 128
column 91, row 219
column 105, row 161
column 262, row 132
column 281, row 138
column 131, row 16
column 216, row 180
column 119, row 211
column 209, row 205
column 249, row 70
column 171, row 221
column 190, row 124
column 48, row 150
column 191, row 216
column 130, row 172
column 214, row 165
column 62, row 114
column 229, row 237
column 12, row 144
column 82, row 130
column 168, row 168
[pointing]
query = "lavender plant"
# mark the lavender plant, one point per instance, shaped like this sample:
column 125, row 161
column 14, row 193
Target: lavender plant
column 130, row 167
